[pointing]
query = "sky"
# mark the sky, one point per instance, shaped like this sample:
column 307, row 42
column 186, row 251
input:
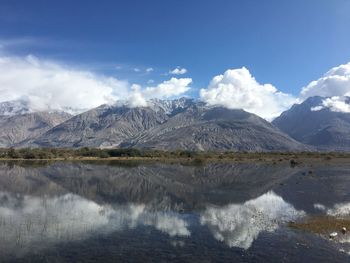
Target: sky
column 261, row 56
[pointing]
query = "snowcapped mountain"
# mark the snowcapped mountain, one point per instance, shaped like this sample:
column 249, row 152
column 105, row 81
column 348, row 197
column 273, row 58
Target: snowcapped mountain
column 19, row 122
column 170, row 107
column 317, row 123
column 168, row 125
column 14, row 107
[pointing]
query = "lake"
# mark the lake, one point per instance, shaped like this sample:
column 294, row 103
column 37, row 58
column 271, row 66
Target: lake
column 110, row 212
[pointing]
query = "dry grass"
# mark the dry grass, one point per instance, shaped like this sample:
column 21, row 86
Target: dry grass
column 322, row 224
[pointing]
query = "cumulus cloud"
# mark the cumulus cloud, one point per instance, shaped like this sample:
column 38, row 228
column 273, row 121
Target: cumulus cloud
column 336, row 104
column 178, row 71
column 336, row 82
column 49, row 85
column 169, row 88
column 335, row 85
column 136, row 97
column 139, row 96
column 148, row 70
column 238, row 89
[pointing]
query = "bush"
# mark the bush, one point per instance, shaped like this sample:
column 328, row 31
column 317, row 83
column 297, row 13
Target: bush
column 12, row 153
column 187, row 154
column 103, row 154
column 198, row 161
column 29, row 155
column 124, row 153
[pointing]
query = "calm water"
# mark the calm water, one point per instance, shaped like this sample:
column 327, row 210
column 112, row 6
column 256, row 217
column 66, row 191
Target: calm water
column 81, row 212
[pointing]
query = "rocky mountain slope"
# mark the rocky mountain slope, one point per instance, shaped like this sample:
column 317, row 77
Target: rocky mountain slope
column 216, row 128
column 101, row 127
column 159, row 186
column 18, row 129
column 169, row 125
column 323, row 128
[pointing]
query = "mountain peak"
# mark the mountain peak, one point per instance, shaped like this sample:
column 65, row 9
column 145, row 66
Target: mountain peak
column 318, row 122
column 14, row 107
column 170, row 107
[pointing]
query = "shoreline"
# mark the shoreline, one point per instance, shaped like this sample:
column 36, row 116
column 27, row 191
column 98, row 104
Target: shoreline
column 274, row 159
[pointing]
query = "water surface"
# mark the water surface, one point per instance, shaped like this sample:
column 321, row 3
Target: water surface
column 86, row 212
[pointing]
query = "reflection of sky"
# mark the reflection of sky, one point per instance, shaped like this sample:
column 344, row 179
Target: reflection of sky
column 338, row 210
column 28, row 220
column 238, row 225
column 341, row 210
column 36, row 222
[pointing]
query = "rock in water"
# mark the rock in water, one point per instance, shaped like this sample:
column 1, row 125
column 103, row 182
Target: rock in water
column 333, row 235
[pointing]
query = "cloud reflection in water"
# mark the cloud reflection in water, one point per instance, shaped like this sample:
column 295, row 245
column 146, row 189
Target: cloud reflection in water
column 238, row 225
column 27, row 221
column 340, row 210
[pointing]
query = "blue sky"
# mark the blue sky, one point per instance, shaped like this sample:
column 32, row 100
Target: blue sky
column 285, row 43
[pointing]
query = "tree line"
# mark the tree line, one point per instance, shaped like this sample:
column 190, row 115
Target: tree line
column 87, row 152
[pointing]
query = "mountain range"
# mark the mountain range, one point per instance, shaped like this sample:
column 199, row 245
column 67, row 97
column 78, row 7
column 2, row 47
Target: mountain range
column 183, row 124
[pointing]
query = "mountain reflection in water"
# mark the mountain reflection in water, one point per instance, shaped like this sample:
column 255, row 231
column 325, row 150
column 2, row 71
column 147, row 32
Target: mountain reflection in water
column 220, row 206
column 27, row 220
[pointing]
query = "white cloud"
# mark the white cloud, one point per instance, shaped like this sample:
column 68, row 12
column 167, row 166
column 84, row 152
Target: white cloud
column 334, row 85
column 317, row 108
column 336, row 104
column 136, row 97
column 167, row 89
column 238, row 89
column 48, row 85
column 148, row 70
column 336, row 82
column 178, row 71
column 137, row 70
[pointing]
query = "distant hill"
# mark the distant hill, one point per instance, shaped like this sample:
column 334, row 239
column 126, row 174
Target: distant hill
column 324, row 128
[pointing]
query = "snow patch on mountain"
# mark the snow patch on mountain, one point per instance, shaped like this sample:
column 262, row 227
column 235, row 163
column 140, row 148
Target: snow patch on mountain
column 15, row 107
